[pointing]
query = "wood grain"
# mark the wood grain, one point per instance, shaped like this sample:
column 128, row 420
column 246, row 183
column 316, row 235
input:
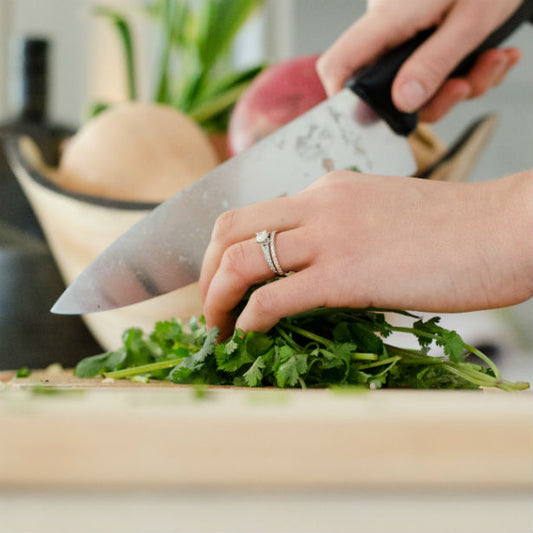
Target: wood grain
column 122, row 434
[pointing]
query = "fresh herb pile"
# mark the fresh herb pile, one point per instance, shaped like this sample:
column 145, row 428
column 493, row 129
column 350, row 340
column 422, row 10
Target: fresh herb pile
column 319, row 348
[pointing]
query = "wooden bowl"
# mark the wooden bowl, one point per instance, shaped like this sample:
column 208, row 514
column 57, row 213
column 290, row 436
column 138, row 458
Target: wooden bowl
column 78, row 227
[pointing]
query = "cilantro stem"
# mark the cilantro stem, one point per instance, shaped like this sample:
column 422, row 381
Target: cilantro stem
column 485, row 359
column 143, row 369
column 364, row 356
column 415, row 331
column 308, row 335
column 435, row 337
column 290, row 341
column 412, row 356
column 390, row 360
column 474, row 376
column 513, row 386
column 191, row 347
column 484, row 380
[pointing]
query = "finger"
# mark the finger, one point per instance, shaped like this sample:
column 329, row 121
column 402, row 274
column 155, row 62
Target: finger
column 285, row 297
column 243, row 265
column 488, row 68
column 453, row 92
column 514, row 55
column 239, row 225
column 361, row 44
column 425, row 71
column 488, row 71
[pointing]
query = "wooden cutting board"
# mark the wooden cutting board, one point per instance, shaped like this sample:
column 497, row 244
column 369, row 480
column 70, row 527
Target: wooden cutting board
column 57, row 431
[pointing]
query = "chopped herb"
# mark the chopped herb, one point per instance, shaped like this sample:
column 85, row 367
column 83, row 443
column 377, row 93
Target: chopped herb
column 47, row 390
column 23, row 372
column 342, row 348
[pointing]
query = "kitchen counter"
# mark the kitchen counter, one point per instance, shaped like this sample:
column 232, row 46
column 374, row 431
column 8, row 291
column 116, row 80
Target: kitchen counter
column 434, row 460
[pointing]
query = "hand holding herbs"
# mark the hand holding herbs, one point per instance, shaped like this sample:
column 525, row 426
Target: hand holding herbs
column 315, row 349
column 360, row 240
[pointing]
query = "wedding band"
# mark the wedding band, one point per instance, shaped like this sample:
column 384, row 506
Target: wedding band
column 265, row 239
column 274, row 257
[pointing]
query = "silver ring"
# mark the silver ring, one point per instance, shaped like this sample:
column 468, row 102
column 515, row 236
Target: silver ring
column 274, row 257
column 265, row 239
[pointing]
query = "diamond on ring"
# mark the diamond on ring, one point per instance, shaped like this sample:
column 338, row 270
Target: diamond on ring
column 262, row 237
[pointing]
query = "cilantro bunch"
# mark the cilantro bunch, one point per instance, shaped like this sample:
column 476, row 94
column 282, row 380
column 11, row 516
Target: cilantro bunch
column 316, row 349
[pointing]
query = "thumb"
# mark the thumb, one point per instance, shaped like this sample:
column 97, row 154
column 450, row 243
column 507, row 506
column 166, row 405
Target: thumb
column 429, row 66
column 360, row 44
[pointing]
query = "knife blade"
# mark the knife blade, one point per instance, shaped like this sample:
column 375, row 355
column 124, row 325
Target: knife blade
column 164, row 251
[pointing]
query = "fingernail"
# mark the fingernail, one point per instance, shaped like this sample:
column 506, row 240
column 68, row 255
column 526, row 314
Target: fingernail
column 412, row 95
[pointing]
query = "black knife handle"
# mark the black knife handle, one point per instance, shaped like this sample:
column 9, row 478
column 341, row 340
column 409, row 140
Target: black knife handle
column 373, row 83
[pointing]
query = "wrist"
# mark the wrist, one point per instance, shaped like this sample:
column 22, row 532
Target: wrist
column 511, row 218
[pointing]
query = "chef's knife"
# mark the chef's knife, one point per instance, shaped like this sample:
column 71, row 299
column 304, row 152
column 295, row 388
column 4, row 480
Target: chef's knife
column 164, row 251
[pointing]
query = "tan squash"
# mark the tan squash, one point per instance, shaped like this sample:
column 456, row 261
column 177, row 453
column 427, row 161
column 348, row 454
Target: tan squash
column 138, row 152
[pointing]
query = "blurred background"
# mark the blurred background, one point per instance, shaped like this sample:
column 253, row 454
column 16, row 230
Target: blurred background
column 85, row 65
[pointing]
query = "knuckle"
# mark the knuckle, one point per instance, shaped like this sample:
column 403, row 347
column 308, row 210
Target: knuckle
column 463, row 28
column 483, row 12
column 261, row 302
column 233, row 259
column 223, row 225
column 432, row 71
column 329, row 178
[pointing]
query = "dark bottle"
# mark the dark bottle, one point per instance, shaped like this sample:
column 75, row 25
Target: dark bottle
column 31, row 90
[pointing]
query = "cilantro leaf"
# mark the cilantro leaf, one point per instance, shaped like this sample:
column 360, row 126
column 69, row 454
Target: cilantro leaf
column 233, row 355
column 291, row 368
column 453, row 346
column 98, row 364
column 254, row 375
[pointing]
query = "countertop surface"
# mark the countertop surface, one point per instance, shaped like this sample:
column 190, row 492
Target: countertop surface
column 58, row 431
column 96, row 456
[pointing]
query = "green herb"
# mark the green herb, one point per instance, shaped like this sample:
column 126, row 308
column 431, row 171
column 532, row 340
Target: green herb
column 194, row 72
column 342, row 348
column 124, row 32
column 23, row 372
column 50, row 390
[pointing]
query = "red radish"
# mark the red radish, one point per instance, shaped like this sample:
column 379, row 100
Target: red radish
column 278, row 95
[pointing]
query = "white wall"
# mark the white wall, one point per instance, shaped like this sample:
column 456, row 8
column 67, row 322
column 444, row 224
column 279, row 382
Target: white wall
column 87, row 63
column 65, row 23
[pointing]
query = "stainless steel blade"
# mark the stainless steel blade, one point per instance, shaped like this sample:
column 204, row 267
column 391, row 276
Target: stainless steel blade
column 164, row 251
